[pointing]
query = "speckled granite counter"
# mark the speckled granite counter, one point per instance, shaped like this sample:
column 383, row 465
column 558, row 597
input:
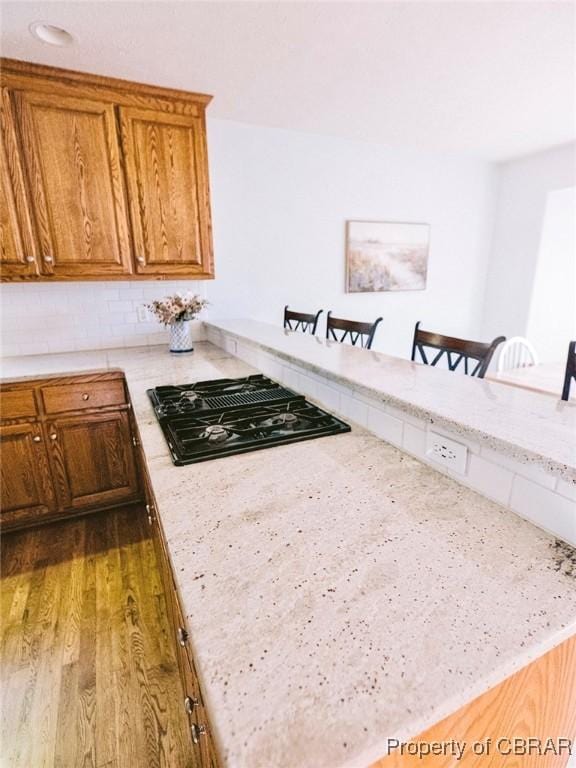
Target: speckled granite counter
column 338, row 592
column 532, row 427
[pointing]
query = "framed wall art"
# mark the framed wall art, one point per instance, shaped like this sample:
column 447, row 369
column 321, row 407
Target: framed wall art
column 386, row 256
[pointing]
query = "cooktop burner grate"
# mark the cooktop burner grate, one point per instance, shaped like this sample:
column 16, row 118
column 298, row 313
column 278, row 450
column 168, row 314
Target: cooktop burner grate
column 199, row 424
column 198, row 438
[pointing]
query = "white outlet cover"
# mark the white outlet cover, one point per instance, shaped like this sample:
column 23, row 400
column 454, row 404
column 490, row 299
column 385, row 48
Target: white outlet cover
column 446, row 452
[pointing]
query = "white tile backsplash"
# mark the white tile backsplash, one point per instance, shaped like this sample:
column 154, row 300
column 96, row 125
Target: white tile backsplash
column 517, row 467
column 354, row 409
column 566, row 489
column 307, row 385
column 269, row 366
column 551, row 511
column 490, row 479
column 290, row 377
column 385, row 426
column 62, row 317
column 414, row 440
column 329, row 396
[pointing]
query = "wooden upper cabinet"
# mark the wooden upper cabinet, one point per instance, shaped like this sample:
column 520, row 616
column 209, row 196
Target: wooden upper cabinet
column 101, row 179
column 18, row 254
column 167, row 175
column 71, row 152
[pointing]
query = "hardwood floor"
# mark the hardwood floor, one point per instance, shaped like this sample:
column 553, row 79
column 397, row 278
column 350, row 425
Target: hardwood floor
column 88, row 674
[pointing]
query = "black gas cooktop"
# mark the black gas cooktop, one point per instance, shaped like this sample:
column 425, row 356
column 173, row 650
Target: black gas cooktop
column 209, row 419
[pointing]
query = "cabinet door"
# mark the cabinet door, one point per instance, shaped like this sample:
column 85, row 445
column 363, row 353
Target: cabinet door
column 93, row 459
column 26, row 491
column 167, row 177
column 18, row 253
column 72, row 156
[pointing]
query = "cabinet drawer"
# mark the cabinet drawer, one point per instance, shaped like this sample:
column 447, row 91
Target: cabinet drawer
column 17, row 403
column 75, row 397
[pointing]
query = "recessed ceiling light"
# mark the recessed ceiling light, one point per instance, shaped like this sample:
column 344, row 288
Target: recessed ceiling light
column 50, row 34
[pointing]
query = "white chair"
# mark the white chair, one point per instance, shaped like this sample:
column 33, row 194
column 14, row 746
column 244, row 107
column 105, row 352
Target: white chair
column 517, row 352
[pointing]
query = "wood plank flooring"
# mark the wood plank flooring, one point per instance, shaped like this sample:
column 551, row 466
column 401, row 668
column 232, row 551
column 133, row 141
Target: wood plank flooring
column 88, row 676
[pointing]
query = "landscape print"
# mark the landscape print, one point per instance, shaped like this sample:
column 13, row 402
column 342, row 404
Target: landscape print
column 386, row 256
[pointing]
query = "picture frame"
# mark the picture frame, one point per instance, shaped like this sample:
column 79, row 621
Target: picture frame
column 386, row 256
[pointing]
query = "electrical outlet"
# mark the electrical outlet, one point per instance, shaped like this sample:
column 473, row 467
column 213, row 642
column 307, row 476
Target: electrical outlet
column 447, row 452
column 143, row 314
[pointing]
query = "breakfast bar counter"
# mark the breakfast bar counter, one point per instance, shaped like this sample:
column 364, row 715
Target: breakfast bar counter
column 338, row 592
column 532, row 427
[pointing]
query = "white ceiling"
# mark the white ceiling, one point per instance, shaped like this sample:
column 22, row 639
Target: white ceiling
column 491, row 79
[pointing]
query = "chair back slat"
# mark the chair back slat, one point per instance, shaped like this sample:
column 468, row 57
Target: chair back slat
column 354, row 331
column 301, row 321
column 570, row 373
column 517, row 352
column 456, row 351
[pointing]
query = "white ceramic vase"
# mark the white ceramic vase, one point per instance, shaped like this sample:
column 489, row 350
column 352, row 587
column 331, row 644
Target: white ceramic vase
column 181, row 336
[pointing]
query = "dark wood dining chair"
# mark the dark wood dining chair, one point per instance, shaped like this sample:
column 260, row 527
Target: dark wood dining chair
column 475, row 355
column 300, row 321
column 570, row 370
column 352, row 330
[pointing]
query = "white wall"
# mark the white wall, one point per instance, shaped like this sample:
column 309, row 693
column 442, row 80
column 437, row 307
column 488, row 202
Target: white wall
column 524, row 189
column 280, row 202
column 552, row 314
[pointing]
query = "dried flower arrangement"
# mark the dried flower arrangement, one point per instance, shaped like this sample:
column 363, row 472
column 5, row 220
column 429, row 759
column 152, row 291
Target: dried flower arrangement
column 173, row 309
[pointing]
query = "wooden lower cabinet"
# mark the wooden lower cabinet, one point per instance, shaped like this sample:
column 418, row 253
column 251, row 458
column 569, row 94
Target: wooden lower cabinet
column 528, row 721
column 202, row 742
column 92, row 459
column 26, row 489
column 62, row 452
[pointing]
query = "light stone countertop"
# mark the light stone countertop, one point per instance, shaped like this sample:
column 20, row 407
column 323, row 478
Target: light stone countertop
column 338, row 592
column 531, row 427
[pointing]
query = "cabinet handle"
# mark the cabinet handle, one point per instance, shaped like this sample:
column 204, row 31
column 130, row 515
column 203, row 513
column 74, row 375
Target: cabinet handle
column 149, row 511
column 85, row 396
column 48, row 259
column 182, row 636
column 140, row 259
column 37, row 439
column 53, row 436
column 30, row 259
column 190, row 702
column 197, row 731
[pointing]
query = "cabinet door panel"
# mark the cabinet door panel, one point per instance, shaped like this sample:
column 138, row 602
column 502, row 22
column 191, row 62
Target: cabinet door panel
column 93, row 459
column 26, row 490
column 167, row 178
column 71, row 151
column 18, row 252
